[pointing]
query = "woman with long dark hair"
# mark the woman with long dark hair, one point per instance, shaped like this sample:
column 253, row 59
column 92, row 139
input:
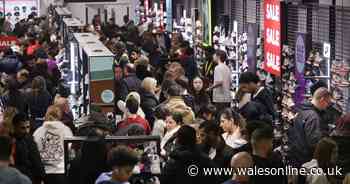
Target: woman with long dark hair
column 200, row 97
column 233, row 125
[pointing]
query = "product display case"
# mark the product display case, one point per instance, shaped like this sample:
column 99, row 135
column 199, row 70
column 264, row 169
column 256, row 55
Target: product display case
column 77, row 70
column 70, row 26
column 98, row 85
column 60, row 14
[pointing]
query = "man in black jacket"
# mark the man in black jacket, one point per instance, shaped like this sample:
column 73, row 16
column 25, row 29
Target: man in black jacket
column 306, row 130
column 27, row 159
column 130, row 82
column 186, row 161
column 264, row 159
column 249, row 83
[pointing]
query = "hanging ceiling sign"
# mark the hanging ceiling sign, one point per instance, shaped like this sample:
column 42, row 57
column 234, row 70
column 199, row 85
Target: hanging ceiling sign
column 272, row 35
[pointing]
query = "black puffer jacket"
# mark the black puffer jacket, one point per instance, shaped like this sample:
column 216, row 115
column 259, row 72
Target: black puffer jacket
column 148, row 104
column 304, row 134
column 28, row 159
column 176, row 169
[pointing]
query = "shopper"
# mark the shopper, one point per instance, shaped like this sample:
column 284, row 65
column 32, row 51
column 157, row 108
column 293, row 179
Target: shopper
column 183, row 156
column 249, row 83
column 132, row 106
column 233, row 124
column 341, row 135
column 9, row 175
column 149, row 100
column 176, row 103
column 6, row 126
column 14, row 97
column 92, row 161
column 323, row 160
column 142, row 67
column 122, row 106
column 206, row 113
column 159, row 124
column 306, row 132
column 67, row 117
column 173, row 122
column 263, row 157
column 222, row 82
column 213, row 144
column 122, row 160
column 241, row 160
column 187, row 61
column 200, row 97
column 39, row 100
column 130, row 82
column 27, row 158
column 49, row 138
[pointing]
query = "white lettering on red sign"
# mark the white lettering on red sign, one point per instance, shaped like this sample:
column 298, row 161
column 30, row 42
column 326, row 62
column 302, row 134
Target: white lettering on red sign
column 7, row 43
column 273, row 36
column 273, row 12
column 273, row 61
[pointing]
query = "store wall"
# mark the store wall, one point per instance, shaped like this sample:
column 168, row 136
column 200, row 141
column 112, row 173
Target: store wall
column 119, row 8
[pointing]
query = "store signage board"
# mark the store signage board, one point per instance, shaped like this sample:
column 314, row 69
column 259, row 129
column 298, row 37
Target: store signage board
column 327, row 50
column 300, row 57
column 252, row 46
column 7, row 41
column 272, row 35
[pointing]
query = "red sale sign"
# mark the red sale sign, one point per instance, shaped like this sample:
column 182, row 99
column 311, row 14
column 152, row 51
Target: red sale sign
column 7, row 41
column 272, row 35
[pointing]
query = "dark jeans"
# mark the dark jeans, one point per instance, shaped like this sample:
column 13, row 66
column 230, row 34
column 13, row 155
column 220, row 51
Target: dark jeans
column 55, row 179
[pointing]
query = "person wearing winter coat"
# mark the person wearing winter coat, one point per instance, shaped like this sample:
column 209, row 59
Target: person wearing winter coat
column 49, row 138
column 183, row 156
column 305, row 132
column 130, row 82
column 200, row 97
column 15, row 98
column 149, row 100
column 176, row 103
column 341, row 135
column 249, row 83
column 173, row 123
column 9, row 175
column 27, row 159
column 323, row 160
column 39, row 99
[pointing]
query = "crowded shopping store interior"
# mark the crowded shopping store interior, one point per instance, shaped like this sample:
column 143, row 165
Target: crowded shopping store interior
column 174, row 92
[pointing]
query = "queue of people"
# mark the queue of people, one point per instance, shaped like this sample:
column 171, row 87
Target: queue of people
column 159, row 90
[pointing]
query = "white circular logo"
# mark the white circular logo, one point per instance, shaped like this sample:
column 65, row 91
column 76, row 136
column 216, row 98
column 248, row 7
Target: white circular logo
column 107, row 96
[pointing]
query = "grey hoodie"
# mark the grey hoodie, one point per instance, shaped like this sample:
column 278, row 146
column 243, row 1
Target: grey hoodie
column 9, row 175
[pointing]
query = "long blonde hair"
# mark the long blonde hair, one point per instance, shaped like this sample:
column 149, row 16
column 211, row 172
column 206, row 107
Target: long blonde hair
column 54, row 113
